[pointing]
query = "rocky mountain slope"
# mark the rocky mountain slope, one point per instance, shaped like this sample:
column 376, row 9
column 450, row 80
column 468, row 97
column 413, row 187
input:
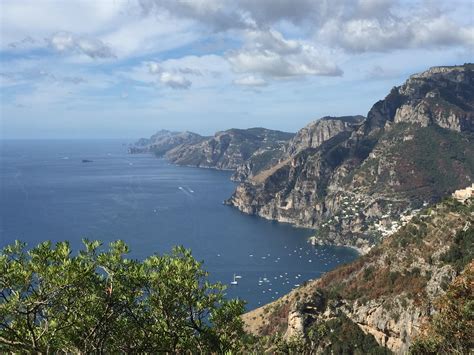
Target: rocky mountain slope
column 247, row 151
column 388, row 294
column 229, row 149
column 163, row 141
column 311, row 136
column 353, row 179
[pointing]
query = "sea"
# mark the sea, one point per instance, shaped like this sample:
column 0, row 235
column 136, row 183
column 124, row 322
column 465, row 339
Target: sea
column 48, row 192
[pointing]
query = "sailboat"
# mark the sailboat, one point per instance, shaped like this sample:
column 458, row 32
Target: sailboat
column 234, row 282
column 260, row 281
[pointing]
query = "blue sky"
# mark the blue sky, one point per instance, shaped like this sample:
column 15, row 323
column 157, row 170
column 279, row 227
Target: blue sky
column 126, row 68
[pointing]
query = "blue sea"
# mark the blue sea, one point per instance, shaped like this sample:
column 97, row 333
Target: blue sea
column 47, row 192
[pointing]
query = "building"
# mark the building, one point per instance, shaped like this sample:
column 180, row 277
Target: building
column 464, row 194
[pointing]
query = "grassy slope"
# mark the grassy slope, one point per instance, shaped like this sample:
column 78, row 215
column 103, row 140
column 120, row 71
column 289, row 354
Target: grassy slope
column 426, row 162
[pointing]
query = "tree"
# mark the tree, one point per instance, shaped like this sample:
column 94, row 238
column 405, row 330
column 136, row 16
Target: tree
column 52, row 300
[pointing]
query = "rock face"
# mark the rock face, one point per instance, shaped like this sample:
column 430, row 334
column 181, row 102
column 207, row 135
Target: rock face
column 163, row 141
column 229, row 149
column 345, row 175
column 320, row 131
column 246, row 151
column 388, row 293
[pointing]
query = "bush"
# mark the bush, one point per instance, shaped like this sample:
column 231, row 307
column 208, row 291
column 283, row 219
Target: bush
column 462, row 251
column 95, row 302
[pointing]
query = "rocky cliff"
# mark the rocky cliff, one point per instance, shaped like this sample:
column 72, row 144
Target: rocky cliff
column 352, row 179
column 230, row 149
column 388, row 294
column 163, row 141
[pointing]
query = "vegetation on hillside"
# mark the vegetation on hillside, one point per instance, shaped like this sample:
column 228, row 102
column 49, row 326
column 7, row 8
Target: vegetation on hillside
column 451, row 330
column 401, row 276
column 426, row 162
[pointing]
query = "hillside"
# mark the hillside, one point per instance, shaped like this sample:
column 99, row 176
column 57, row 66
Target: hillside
column 163, row 141
column 354, row 179
column 388, row 294
column 229, row 149
column 246, row 151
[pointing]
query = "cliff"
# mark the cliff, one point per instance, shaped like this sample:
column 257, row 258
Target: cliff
column 246, row 151
column 353, row 179
column 230, row 149
column 163, row 141
column 388, row 294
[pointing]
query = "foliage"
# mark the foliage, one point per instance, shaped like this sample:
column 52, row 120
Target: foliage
column 462, row 251
column 345, row 337
column 442, row 159
column 97, row 301
column 451, row 331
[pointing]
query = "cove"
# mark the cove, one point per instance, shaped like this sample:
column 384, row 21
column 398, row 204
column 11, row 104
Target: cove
column 67, row 190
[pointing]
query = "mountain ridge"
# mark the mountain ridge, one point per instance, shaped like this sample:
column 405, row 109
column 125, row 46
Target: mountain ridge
column 414, row 148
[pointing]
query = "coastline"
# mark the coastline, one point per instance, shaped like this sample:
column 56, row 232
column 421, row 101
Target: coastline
column 362, row 250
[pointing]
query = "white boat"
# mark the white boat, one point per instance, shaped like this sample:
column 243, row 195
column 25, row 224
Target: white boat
column 234, row 282
column 238, row 276
column 260, row 281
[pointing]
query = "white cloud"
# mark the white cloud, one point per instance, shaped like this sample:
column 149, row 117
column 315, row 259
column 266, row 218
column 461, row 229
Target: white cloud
column 250, row 80
column 41, row 19
column 181, row 73
column 268, row 54
column 353, row 25
column 154, row 68
column 382, row 35
column 174, row 81
column 91, row 47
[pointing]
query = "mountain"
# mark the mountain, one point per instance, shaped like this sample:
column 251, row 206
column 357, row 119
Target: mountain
column 354, row 179
column 163, row 141
column 230, row 149
column 388, row 295
column 254, row 148
column 312, row 135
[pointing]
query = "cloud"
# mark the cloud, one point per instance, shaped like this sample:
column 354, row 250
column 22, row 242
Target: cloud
column 26, row 42
column 190, row 71
column 217, row 14
column 250, row 80
column 352, row 25
column 91, row 47
column 154, row 68
column 174, row 81
column 28, row 76
column 383, row 35
column 268, row 54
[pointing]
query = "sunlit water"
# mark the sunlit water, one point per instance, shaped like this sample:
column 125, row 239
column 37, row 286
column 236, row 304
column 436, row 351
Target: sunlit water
column 47, row 192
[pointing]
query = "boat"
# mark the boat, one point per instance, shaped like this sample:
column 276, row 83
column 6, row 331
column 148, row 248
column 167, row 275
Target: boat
column 238, row 276
column 260, row 281
column 234, row 282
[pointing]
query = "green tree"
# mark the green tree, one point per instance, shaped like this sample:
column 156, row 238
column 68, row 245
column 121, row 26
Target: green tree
column 52, row 300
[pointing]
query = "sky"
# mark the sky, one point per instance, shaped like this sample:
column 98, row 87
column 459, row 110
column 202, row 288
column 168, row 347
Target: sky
column 127, row 68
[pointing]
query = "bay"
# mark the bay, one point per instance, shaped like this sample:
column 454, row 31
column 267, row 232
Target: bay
column 47, row 192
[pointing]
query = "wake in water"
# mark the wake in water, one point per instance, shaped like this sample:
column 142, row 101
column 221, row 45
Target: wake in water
column 186, row 190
